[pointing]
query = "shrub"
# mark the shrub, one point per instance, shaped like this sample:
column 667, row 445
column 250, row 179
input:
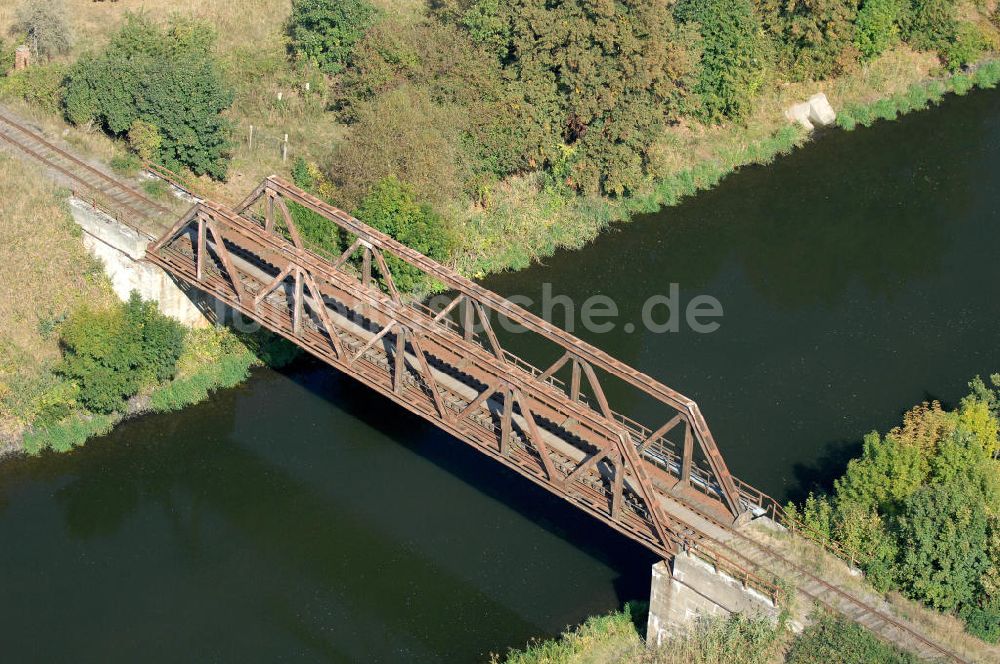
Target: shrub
column 166, row 78
column 325, row 31
column 732, row 55
column 830, row 639
column 877, row 27
column 44, row 25
column 814, row 36
column 392, row 208
column 111, row 354
column 965, row 47
column 403, row 134
column 604, row 80
column 40, row 85
column 145, row 140
column 930, row 24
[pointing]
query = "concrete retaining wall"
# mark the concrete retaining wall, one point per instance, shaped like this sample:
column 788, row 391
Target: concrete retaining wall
column 121, row 250
column 689, row 588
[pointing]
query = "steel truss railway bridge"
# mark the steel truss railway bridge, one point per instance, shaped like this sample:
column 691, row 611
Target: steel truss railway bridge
column 661, row 482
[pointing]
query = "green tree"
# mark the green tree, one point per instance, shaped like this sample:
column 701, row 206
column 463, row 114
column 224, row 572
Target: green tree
column 877, row 27
column 166, row 78
column 324, row 31
column 815, row 37
column 965, row 46
column 44, row 25
column 930, row 24
column 943, row 536
column 392, row 207
column 111, row 354
column 407, row 135
column 732, row 55
column 603, row 80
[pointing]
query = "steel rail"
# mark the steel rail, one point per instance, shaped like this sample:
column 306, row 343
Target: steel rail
column 112, row 182
column 782, row 559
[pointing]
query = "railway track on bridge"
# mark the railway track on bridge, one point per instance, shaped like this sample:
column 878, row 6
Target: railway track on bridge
column 610, row 489
column 109, row 194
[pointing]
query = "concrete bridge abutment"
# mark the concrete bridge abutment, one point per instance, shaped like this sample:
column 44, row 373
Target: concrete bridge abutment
column 121, row 250
column 688, row 588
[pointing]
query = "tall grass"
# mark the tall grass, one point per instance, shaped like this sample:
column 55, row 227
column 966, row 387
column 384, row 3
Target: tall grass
column 72, row 432
column 614, row 638
column 919, row 96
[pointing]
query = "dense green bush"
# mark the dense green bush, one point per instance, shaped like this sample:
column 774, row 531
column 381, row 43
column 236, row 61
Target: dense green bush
column 166, row 78
column 324, row 31
column 318, row 232
column 597, row 88
column 39, row 85
column 965, row 47
column 814, row 37
column 829, row 639
column 392, row 207
column 112, row 354
column 732, row 55
column 877, row 27
column 930, row 24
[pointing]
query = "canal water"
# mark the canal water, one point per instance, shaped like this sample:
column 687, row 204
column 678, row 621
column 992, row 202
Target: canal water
column 300, row 517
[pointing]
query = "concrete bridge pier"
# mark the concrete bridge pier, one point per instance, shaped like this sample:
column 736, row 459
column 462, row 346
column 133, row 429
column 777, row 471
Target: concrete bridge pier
column 686, row 588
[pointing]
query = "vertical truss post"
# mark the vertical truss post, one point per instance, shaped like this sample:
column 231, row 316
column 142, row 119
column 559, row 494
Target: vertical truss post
column 366, row 266
column 574, row 385
column 468, row 316
column 399, row 360
column 506, row 420
column 201, row 248
column 618, row 486
column 686, row 455
column 297, row 304
column 269, row 213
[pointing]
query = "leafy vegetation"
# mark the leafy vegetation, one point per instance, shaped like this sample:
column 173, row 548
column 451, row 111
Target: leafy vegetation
column 877, row 27
column 813, row 37
column 110, row 354
column 324, row 31
column 737, row 639
column 833, row 639
column 922, row 504
column 733, row 54
column 162, row 89
column 392, row 208
column 591, row 117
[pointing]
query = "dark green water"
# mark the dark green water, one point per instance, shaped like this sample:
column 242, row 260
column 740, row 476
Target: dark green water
column 299, row 517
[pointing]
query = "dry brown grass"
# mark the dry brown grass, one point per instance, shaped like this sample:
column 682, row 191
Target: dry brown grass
column 44, row 269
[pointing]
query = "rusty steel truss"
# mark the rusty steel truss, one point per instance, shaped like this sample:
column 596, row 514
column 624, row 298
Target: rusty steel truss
column 556, row 426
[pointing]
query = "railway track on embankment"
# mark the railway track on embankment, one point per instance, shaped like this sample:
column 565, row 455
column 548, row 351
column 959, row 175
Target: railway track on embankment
column 132, row 207
column 112, row 196
column 870, row 612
